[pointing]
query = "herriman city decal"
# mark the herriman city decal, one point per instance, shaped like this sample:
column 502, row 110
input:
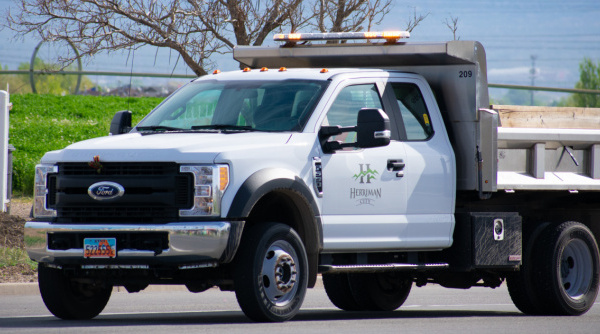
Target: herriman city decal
column 365, row 195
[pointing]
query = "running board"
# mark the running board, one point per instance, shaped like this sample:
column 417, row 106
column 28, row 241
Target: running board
column 374, row 268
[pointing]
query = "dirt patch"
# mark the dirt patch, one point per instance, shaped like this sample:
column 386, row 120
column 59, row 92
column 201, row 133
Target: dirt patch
column 11, row 236
column 11, row 230
column 20, row 273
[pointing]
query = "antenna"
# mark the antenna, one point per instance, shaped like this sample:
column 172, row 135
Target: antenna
column 532, row 71
column 130, row 79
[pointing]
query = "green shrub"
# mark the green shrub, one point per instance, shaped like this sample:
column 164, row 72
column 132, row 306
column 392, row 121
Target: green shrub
column 42, row 123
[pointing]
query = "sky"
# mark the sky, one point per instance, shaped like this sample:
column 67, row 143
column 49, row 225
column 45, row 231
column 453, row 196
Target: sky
column 559, row 34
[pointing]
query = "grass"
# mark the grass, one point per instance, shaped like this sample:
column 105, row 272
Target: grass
column 42, row 123
column 15, row 256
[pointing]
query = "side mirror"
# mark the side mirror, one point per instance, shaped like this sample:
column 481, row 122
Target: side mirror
column 372, row 128
column 121, row 123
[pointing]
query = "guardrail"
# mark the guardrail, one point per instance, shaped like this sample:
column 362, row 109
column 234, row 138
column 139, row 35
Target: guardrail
column 189, row 76
column 547, row 89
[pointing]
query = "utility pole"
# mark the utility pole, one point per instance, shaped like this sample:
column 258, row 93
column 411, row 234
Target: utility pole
column 532, row 72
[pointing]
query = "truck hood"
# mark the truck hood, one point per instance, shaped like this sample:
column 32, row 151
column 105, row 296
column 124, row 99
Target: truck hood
column 176, row 147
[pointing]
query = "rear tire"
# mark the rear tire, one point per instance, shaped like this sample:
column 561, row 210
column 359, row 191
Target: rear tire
column 71, row 300
column 271, row 273
column 569, row 269
column 337, row 287
column 380, row 291
column 521, row 285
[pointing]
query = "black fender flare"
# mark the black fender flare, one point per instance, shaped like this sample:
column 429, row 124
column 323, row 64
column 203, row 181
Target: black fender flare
column 268, row 180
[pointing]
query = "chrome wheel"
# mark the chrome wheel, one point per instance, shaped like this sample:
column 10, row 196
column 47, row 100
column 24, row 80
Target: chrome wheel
column 270, row 272
column 279, row 272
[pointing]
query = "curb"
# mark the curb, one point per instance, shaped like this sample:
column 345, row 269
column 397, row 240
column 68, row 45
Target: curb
column 12, row 289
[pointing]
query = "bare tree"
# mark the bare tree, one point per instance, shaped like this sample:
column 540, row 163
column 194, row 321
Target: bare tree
column 349, row 15
column 452, row 24
column 194, row 29
column 109, row 25
column 414, row 21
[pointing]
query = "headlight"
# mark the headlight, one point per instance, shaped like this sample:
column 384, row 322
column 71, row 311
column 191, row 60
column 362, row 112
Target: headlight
column 209, row 184
column 40, row 199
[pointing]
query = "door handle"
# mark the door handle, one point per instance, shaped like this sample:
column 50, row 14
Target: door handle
column 396, row 166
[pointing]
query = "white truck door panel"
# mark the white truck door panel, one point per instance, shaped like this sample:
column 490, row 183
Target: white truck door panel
column 363, row 200
column 429, row 168
column 368, row 206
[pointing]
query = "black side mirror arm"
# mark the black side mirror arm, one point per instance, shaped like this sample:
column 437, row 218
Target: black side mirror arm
column 331, row 146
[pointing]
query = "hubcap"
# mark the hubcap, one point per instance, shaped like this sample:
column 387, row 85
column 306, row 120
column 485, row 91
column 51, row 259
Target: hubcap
column 576, row 265
column 279, row 273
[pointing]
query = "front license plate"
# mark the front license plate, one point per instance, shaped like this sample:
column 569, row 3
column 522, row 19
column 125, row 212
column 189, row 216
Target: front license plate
column 99, row 248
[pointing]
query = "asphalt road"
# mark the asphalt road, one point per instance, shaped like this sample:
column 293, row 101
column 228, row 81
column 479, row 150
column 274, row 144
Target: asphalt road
column 431, row 309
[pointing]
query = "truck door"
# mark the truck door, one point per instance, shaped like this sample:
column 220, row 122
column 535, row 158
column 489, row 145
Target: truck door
column 364, row 199
column 429, row 172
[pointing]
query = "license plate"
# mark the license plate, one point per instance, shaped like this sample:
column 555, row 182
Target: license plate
column 99, row 248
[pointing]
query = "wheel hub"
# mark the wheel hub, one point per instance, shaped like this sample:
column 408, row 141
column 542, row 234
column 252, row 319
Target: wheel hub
column 285, row 272
column 575, row 269
column 279, row 273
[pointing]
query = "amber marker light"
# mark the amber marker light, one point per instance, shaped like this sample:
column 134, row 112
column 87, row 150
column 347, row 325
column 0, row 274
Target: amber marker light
column 393, row 35
column 223, row 178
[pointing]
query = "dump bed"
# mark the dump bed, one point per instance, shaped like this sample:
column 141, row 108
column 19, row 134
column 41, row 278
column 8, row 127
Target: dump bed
column 548, row 148
column 489, row 157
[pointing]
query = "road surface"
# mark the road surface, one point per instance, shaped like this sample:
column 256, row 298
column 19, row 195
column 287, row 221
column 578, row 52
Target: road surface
column 431, row 309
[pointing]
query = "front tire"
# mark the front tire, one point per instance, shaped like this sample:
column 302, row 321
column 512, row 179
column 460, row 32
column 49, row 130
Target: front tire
column 271, row 273
column 71, row 300
column 569, row 269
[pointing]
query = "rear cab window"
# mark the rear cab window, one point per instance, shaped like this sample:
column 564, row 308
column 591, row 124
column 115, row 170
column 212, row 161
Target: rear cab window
column 415, row 116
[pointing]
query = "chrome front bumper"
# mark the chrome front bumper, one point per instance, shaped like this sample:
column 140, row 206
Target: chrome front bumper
column 189, row 242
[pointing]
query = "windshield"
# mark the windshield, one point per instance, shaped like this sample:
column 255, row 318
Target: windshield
column 237, row 105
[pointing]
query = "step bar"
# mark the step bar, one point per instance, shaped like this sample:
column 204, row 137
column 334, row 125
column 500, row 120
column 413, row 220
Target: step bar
column 376, row 268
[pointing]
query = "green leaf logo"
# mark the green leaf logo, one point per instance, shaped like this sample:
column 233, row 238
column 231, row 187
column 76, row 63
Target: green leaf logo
column 367, row 173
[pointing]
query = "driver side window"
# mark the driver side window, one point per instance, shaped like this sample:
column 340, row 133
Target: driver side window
column 344, row 110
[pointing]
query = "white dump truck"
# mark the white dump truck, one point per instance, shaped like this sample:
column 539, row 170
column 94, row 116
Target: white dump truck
column 377, row 164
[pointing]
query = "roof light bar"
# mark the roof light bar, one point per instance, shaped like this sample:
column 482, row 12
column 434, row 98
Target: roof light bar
column 332, row 36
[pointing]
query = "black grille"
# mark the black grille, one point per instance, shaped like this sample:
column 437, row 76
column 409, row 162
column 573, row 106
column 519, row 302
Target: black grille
column 154, row 241
column 90, row 214
column 112, row 168
column 154, row 193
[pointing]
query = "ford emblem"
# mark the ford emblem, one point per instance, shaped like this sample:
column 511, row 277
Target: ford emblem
column 104, row 191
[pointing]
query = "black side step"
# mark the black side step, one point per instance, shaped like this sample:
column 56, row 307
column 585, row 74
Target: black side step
column 375, row 268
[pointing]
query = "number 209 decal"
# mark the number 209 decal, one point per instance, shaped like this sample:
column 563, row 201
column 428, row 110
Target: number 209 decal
column 465, row 74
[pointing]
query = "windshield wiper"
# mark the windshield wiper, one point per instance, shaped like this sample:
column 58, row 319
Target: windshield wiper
column 158, row 128
column 223, row 127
